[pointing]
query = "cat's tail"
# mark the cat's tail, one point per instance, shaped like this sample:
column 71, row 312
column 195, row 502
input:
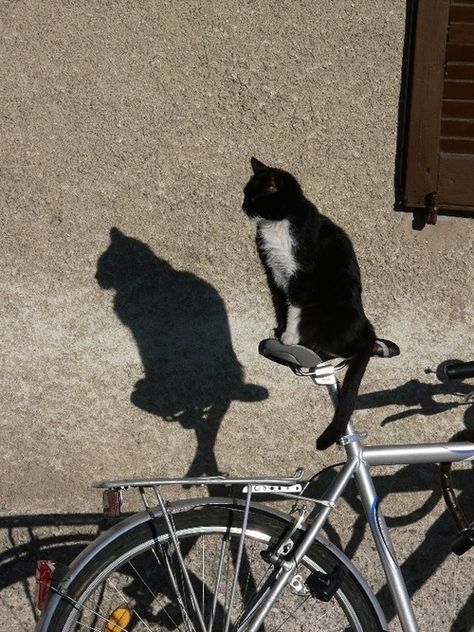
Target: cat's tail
column 348, row 395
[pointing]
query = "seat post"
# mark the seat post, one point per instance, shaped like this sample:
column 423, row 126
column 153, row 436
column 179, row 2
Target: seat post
column 329, row 380
column 334, row 392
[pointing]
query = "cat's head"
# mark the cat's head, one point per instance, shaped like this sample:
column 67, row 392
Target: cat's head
column 271, row 193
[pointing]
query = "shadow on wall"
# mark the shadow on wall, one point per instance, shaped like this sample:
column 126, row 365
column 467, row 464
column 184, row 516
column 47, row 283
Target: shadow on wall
column 420, row 398
column 181, row 329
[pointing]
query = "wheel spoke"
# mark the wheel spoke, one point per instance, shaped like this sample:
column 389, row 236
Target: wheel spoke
column 88, row 627
column 175, row 587
column 291, row 614
column 155, row 556
column 239, row 559
column 222, row 553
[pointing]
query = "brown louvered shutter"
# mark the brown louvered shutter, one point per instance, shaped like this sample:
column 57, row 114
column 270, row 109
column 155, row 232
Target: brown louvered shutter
column 439, row 160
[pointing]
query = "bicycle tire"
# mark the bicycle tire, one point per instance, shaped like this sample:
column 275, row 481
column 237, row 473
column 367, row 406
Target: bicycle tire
column 121, row 569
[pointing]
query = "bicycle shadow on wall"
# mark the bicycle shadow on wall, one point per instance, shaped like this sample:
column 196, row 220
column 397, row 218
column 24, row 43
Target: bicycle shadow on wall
column 420, row 398
column 180, row 326
column 28, row 538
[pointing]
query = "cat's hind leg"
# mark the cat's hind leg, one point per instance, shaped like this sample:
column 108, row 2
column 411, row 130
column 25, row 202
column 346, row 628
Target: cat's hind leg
column 291, row 335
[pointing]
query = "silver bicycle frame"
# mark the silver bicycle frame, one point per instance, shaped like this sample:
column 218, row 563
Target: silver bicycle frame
column 359, row 461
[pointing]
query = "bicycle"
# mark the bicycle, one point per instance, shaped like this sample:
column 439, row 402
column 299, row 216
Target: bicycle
column 235, row 565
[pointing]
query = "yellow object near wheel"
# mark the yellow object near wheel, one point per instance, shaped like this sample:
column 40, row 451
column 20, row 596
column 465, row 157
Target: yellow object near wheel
column 119, row 619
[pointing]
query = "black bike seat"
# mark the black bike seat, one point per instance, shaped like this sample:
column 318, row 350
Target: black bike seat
column 299, row 356
column 385, row 348
column 294, row 355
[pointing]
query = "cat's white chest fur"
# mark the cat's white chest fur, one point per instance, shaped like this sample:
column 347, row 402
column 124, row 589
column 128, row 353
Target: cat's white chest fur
column 277, row 245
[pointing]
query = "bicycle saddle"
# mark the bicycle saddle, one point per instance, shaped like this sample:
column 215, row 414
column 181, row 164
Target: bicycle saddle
column 299, row 356
column 295, row 355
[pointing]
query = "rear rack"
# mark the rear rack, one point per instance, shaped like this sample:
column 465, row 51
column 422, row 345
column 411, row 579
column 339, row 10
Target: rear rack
column 200, row 481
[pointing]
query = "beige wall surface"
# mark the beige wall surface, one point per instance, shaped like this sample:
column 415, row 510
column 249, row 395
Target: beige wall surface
column 133, row 351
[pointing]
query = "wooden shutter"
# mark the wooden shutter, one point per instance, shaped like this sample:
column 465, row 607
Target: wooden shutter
column 439, row 158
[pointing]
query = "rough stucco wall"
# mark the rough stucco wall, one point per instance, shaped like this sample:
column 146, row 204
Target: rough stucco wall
column 143, row 117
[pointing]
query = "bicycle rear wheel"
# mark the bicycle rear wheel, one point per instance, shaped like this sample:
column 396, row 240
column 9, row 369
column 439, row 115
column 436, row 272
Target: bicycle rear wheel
column 137, row 582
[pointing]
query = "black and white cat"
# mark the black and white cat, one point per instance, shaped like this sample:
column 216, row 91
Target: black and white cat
column 314, row 279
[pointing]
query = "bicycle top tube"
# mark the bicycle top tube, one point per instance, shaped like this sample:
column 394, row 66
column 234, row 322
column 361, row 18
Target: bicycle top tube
column 418, row 453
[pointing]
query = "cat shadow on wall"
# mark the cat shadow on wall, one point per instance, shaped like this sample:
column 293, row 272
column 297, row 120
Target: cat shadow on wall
column 180, row 326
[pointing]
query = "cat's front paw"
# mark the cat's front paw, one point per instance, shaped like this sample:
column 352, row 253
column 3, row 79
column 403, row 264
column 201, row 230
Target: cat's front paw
column 289, row 338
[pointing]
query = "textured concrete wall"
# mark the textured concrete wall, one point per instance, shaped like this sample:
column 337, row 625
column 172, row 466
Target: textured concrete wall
column 135, row 352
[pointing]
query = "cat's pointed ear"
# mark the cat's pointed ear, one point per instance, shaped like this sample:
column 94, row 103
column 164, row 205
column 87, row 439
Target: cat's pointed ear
column 258, row 166
column 116, row 234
